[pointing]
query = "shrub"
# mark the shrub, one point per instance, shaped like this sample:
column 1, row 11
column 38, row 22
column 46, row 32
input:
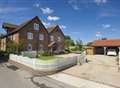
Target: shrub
column 74, row 49
column 46, row 54
column 4, row 55
column 67, row 51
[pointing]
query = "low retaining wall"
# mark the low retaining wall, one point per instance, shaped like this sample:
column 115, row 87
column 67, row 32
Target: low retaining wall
column 45, row 65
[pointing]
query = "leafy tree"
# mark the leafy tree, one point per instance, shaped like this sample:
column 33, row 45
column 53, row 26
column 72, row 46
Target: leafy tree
column 72, row 43
column 67, row 37
column 79, row 45
column 68, row 42
column 11, row 46
column 20, row 46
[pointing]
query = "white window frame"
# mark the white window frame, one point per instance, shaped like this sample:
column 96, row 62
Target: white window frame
column 41, row 36
column 29, row 35
column 29, row 47
column 59, row 38
column 51, row 38
column 41, row 47
column 14, row 37
column 36, row 26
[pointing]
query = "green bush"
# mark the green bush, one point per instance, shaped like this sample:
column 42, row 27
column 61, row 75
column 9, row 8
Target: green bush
column 4, row 55
column 74, row 49
column 46, row 54
column 67, row 51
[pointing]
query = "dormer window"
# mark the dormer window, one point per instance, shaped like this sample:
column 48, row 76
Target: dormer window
column 36, row 26
column 51, row 38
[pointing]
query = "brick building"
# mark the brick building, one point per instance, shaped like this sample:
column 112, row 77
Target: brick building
column 34, row 36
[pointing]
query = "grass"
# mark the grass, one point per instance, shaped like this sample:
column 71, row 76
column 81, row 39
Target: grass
column 49, row 57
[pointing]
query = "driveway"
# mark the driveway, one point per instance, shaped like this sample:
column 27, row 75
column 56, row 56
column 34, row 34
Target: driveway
column 100, row 68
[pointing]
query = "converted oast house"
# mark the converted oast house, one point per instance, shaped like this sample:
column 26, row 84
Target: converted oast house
column 34, row 36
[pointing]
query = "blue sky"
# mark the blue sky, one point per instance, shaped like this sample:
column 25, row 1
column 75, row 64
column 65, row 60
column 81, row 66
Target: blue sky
column 81, row 19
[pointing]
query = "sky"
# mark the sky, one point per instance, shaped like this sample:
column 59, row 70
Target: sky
column 85, row 20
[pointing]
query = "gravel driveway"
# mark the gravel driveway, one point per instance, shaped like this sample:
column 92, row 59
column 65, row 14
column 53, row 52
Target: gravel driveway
column 100, row 68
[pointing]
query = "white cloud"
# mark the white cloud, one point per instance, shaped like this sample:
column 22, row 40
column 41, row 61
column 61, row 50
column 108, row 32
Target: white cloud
column 46, row 24
column 74, row 4
column 47, row 10
column 98, row 2
column 53, row 18
column 62, row 26
column 105, row 26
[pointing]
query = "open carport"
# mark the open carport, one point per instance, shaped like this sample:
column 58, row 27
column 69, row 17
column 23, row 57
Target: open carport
column 102, row 46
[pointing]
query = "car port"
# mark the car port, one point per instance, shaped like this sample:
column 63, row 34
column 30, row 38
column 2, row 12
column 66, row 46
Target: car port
column 101, row 47
column 104, row 50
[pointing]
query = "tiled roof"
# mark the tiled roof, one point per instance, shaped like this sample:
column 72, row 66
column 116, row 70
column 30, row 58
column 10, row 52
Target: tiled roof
column 53, row 28
column 9, row 25
column 19, row 27
column 50, row 29
column 112, row 42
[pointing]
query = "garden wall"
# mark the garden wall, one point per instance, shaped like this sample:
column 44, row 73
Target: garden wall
column 46, row 65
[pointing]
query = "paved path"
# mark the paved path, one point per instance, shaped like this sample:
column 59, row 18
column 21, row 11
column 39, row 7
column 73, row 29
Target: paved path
column 77, row 82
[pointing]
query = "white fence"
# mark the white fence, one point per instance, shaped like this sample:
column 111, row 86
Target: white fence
column 46, row 65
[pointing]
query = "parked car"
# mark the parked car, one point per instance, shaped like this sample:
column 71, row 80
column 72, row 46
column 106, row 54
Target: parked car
column 112, row 52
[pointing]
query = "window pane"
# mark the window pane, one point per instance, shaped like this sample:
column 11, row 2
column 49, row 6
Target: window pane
column 59, row 39
column 29, row 35
column 36, row 26
column 41, row 36
column 51, row 38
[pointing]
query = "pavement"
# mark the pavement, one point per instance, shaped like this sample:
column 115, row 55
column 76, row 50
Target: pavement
column 77, row 82
column 100, row 72
column 101, row 69
column 13, row 77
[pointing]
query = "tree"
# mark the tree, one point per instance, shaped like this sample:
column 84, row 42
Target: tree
column 68, row 41
column 79, row 45
column 20, row 46
column 11, row 46
column 67, row 44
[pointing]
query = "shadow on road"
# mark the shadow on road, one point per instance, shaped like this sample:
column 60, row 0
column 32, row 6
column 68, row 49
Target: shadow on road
column 42, row 85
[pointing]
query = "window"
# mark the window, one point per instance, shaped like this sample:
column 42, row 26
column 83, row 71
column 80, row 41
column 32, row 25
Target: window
column 29, row 35
column 59, row 38
column 41, row 47
column 36, row 26
column 14, row 37
column 29, row 47
column 41, row 36
column 51, row 38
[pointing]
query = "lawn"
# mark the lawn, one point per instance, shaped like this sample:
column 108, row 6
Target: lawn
column 49, row 57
